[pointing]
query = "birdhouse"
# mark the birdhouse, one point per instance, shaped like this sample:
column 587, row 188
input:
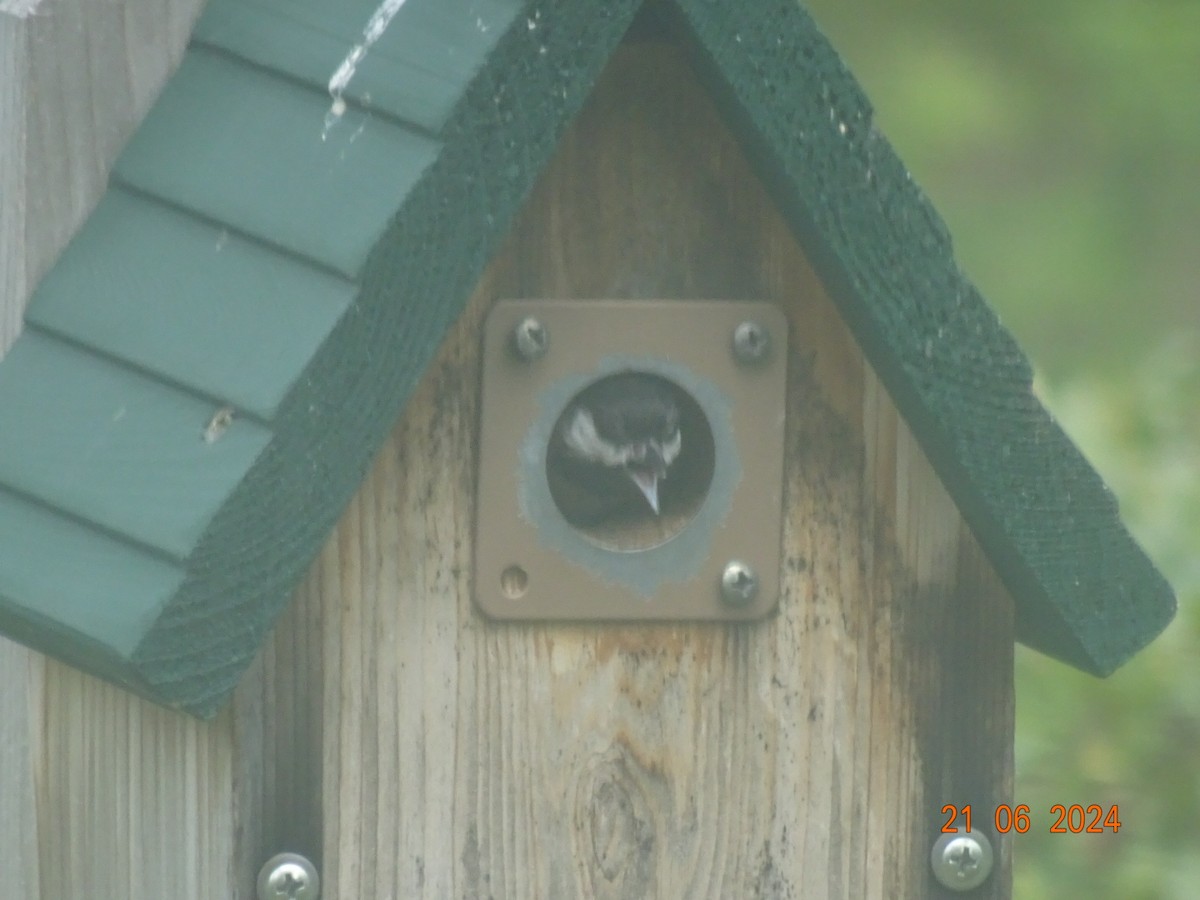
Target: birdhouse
column 535, row 449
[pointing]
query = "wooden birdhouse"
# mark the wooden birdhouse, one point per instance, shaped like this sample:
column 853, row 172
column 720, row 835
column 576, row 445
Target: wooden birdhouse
column 532, row 449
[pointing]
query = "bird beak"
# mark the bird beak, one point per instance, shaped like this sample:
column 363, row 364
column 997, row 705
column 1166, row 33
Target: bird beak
column 647, row 483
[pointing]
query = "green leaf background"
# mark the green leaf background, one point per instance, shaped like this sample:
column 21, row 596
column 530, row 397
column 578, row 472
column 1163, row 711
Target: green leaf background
column 1060, row 139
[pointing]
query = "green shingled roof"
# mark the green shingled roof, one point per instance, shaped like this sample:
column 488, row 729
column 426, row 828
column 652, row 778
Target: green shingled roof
column 263, row 251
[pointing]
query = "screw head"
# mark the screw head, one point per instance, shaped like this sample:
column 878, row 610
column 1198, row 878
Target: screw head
column 751, row 343
column 963, row 860
column 530, row 338
column 288, row 876
column 739, row 583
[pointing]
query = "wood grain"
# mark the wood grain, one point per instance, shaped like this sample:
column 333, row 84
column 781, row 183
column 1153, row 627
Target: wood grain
column 133, row 801
column 806, row 756
column 20, row 743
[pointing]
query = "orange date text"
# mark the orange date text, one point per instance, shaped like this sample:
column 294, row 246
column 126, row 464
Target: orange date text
column 1073, row 819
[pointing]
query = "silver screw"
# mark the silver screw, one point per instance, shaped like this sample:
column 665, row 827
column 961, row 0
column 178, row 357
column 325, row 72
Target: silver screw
column 288, row 876
column 530, row 339
column 962, row 861
column 739, row 584
column 751, row 341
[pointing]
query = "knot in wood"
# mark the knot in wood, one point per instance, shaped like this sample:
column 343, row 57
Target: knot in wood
column 619, row 829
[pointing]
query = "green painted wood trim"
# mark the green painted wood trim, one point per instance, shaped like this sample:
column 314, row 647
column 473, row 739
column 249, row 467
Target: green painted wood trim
column 414, row 285
column 416, row 70
column 189, row 301
column 1085, row 592
column 64, row 584
column 257, row 545
column 254, row 151
column 109, row 445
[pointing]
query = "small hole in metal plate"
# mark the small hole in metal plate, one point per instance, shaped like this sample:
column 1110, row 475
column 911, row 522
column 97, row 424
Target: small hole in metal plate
column 604, row 503
column 514, row 582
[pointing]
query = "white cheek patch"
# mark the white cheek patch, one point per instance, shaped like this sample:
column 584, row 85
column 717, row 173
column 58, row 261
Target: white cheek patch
column 671, row 448
column 584, row 442
column 581, row 439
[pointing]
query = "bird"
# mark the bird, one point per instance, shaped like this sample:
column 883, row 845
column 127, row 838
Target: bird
column 612, row 448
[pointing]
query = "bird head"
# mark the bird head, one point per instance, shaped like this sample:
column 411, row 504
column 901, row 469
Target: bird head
column 627, row 423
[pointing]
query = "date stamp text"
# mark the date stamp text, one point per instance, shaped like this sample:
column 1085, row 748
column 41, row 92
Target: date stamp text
column 1073, row 819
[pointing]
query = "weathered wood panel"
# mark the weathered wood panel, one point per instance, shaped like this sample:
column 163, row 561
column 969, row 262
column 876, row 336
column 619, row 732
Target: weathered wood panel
column 805, row 756
column 133, row 801
column 20, row 742
column 110, row 797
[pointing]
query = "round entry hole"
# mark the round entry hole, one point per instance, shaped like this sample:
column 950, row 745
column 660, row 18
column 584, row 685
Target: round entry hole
column 630, row 460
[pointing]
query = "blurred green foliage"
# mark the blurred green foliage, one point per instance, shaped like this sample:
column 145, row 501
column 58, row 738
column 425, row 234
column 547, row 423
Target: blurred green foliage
column 1060, row 140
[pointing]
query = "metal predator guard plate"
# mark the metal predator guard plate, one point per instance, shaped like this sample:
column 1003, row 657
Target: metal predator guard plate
column 530, row 562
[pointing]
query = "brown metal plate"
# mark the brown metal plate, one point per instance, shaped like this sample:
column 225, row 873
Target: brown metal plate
column 530, row 563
